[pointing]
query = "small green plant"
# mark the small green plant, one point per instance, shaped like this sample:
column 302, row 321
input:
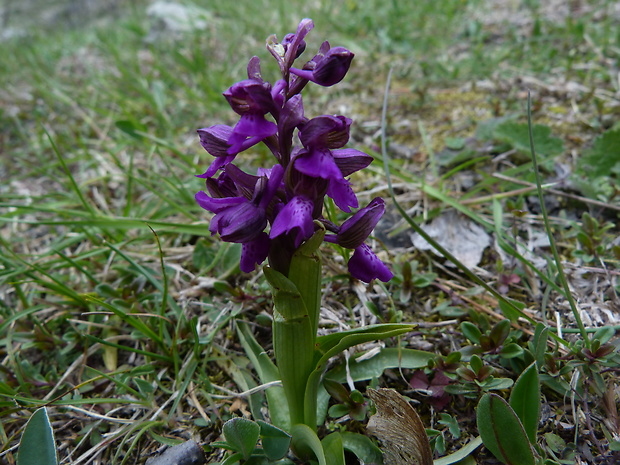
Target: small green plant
column 350, row 403
column 278, row 216
column 477, row 378
column 252, row 442
column 495, row 341
column 593, row 238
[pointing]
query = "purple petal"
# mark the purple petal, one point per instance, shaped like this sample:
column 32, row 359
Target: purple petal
column 326, row 131
column 249, row 131
column 356, row 229
column 254, row 252
column 216, row 205
column 274, row 177
column 342, row 194
column 254, row 69
column 236, row 219
column 241, row 223
column 333, row 67
column 214, row 139
column 297, row 41
column 277, row 93
column 296, row 215
column 318, row 163
column 329, row 69
column 250, row 96
column 292, row 114
column 350, row 160
column 366, row 266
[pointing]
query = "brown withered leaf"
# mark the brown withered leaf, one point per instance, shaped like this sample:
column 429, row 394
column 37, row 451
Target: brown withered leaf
column 399, row 429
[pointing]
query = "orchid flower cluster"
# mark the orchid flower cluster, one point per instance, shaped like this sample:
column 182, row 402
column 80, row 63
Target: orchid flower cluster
column 288, row 196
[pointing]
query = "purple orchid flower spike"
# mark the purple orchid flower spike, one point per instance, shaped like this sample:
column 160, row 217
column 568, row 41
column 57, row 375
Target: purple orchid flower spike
column 273, row 213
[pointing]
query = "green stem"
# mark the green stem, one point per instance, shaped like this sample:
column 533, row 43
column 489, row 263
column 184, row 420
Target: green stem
column 554, row 249
column 297, row 303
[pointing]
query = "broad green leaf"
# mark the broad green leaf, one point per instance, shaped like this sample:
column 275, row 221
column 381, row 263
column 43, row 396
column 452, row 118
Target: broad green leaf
column 287, row 298
column 363, row 447
column 517, row 135
column 232, row 459
column 604, row 334
column 306, row 444
column 604, row 154
column 525, row 400
column 333, row 449
column 374, row 367
column 338, row 344
column 500, row 331
column 242, row 435
column 37, row 445
column 502, row 432
column 509, row 311
column 497, row 384
column 334, row 343
column 275, row 441
column 555, row 442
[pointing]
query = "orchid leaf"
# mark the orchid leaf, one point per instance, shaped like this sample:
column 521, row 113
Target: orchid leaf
column 325, row 344
column 362, row 446
column 502, row 432
column 460, row 454
column 37, row 445
column 293, row 343
column 525, row 400
column 333, row 449
column 306, row 444
column 267, row 372
column 354, row 337
column 305, row 273
column 374, row 367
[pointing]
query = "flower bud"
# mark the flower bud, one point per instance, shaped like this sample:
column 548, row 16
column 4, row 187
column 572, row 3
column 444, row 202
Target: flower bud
column 250, row 96
column 356, row 229
column 329, row 69
column 325, row 131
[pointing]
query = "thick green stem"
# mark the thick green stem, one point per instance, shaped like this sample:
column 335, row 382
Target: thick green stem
column 297, row 301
